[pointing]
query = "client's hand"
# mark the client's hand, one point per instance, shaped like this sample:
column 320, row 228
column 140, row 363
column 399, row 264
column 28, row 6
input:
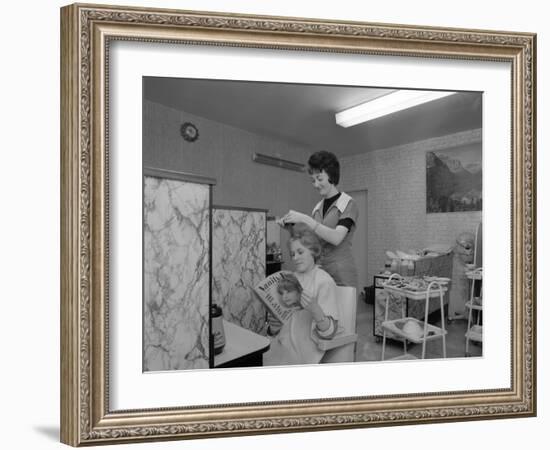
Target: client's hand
column 323, row 322
column 309, row 302
column 274, row 325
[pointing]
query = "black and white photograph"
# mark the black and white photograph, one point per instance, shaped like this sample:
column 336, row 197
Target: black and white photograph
column 295, row 224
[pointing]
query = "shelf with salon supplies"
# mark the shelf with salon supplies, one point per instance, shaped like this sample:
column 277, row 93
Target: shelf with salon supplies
column 474, row 304
column 416, row 288
column 475, row 274
column 475, row 333
column 413, row 329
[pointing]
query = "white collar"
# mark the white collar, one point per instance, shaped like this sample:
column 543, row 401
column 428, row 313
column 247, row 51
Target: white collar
column 341, row 203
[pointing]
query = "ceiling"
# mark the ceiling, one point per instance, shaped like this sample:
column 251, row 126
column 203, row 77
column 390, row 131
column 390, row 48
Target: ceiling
column 304, row 114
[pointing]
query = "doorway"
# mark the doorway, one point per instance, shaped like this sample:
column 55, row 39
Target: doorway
column 359, row 242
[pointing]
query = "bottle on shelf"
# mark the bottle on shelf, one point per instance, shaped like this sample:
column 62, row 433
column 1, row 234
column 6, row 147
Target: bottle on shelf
column 410, row 268
column 404, row 268
column 218, row 332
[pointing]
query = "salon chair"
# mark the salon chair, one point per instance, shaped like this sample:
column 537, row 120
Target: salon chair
column 341, row 348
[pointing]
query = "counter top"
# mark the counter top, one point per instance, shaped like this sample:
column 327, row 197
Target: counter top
column 240, row 343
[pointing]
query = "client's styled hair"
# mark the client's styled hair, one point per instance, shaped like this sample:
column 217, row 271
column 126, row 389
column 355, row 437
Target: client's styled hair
column 306, row 236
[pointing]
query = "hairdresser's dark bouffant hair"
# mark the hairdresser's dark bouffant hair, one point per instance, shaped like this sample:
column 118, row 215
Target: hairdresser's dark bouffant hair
column 326, row 161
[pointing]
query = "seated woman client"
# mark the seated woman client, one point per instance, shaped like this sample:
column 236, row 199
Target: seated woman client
column 316, row 314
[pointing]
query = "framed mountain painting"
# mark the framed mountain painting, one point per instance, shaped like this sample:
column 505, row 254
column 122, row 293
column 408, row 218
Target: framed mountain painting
column 454, row 179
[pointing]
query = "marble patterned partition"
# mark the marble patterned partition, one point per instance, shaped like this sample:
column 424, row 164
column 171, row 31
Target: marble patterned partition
column 176, row 269
column 238, row 264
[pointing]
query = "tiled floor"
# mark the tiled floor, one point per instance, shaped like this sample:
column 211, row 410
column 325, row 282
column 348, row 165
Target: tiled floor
column 369, row 348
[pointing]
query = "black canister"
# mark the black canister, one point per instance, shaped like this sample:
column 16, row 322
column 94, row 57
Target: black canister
column 218, row 333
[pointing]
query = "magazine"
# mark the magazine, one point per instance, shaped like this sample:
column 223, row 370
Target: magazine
column 266, row 290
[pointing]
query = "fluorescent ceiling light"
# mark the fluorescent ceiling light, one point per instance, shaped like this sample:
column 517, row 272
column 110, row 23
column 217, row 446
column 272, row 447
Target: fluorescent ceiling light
column 387, row 104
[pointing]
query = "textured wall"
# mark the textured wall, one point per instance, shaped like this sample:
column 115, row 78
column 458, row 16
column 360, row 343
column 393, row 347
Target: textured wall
column 225, row 153
column 238, row 264
column 396, row 182
column 176, row 271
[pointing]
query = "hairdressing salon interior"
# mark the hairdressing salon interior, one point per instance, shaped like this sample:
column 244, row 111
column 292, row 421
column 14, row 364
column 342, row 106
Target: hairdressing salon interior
column 412, row 163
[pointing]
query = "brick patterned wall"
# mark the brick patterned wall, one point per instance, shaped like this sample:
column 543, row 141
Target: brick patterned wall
column 395, row 179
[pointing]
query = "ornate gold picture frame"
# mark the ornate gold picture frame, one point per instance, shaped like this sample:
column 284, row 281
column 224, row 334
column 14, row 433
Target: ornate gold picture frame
column 87, row 34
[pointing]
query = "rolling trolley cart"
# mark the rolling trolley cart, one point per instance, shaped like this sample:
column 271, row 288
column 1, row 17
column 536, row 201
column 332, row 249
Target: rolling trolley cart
column 399, row 327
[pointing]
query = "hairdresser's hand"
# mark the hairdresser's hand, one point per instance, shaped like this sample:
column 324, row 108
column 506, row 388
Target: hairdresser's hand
column 280, row 221
column 298, row 217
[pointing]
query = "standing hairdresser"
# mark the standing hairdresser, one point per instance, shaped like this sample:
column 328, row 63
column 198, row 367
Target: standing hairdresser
column 333, row 219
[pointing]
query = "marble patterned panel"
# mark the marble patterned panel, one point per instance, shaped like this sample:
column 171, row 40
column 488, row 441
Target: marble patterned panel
column 238, row 264
column 176, row 275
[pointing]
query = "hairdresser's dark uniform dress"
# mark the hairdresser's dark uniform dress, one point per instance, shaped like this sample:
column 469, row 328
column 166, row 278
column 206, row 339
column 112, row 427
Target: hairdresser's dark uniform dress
column 337, row 260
